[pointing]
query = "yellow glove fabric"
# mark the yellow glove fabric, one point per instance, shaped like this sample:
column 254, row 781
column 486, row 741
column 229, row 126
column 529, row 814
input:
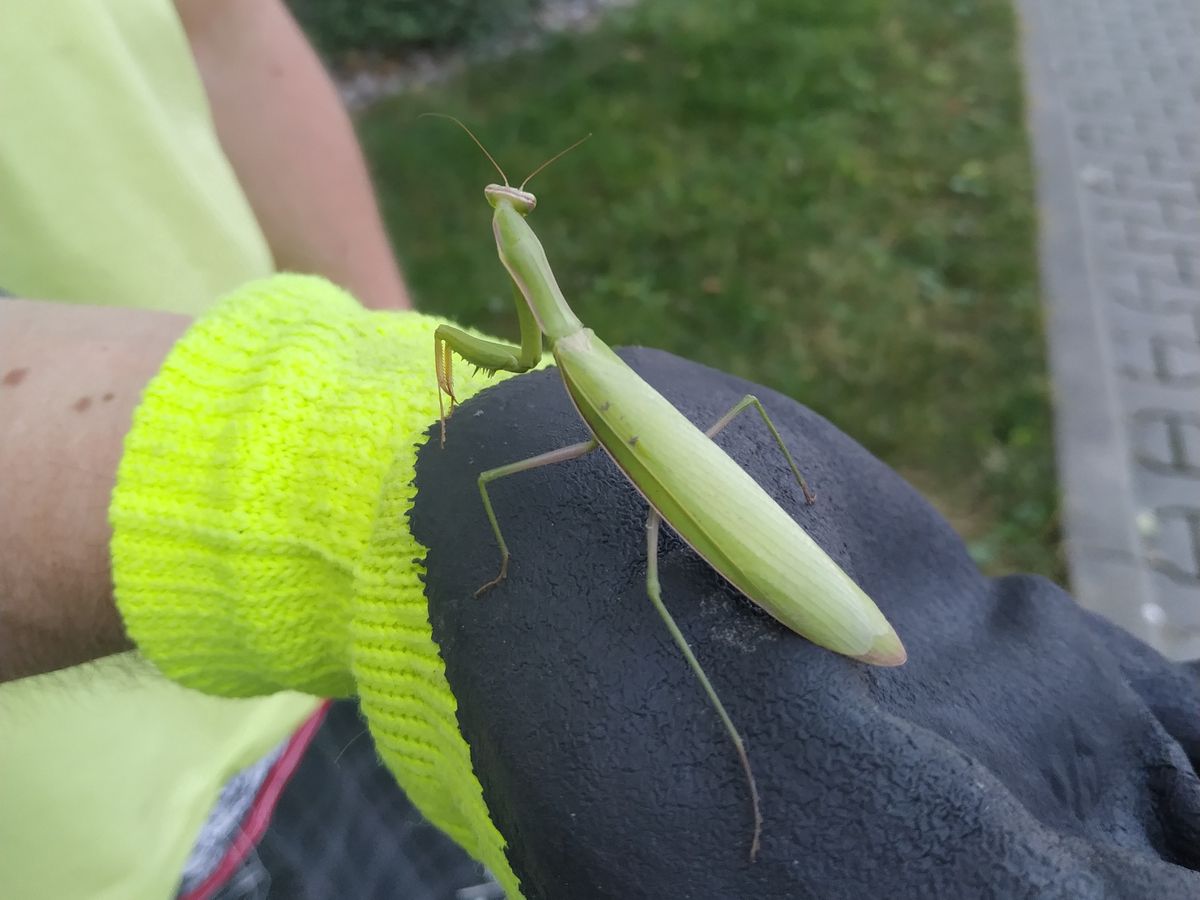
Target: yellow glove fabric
column 260, row 526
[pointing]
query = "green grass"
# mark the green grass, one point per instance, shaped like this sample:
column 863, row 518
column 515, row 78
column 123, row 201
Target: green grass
column 830, row 198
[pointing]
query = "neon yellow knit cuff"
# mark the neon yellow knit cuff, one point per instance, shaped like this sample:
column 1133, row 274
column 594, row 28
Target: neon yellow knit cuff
column 260, row 530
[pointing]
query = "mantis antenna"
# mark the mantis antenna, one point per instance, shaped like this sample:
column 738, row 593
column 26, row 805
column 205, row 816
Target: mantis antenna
column 557, row 156
column 471, row 134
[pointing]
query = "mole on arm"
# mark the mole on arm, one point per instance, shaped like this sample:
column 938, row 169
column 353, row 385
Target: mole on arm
column 13, row 377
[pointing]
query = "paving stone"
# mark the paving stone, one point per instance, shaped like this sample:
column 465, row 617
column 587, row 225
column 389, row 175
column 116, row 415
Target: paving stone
column 1167, row 441
column 1114, row 112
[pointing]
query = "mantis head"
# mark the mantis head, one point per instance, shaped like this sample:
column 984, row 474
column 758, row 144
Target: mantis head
column 522, row 201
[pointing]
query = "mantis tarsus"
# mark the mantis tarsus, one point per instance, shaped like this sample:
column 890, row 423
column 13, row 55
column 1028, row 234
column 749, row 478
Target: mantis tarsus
column 686, row 478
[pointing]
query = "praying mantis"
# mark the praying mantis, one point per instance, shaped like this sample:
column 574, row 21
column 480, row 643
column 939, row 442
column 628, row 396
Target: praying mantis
column 685, row 477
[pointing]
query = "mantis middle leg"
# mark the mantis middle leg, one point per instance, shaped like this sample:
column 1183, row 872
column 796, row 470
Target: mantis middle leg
column 562, row 454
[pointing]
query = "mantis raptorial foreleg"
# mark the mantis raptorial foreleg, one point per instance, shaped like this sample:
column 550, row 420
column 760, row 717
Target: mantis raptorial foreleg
column 751, row 400
column 562, row 454
column 491, row 356
column 655, row 591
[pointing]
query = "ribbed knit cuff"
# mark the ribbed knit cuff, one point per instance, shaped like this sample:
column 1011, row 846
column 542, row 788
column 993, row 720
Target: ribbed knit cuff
column 248, row 488
column 260, row 526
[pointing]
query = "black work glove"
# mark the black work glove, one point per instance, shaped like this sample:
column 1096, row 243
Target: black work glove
column 1027, row 748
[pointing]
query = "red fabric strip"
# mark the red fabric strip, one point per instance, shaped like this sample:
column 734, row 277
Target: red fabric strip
column 259, row 815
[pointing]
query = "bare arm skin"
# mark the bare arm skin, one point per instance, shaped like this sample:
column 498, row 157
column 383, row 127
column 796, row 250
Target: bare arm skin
column 283, row 127
column 70, row 378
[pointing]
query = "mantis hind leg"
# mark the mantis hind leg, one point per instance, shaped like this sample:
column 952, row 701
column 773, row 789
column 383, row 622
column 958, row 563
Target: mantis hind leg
column 573, row 451
column 751, row 400
column 654, row 589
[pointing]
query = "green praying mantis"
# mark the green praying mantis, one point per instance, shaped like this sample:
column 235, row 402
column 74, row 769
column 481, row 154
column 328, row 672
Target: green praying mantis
column 685, row 477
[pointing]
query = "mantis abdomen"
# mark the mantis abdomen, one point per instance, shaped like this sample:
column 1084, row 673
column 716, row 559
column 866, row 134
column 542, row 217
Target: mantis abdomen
column 718, row 509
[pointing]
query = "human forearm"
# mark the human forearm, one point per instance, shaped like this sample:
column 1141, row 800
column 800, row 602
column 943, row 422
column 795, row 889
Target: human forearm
column 283, row 127
column 69, row 379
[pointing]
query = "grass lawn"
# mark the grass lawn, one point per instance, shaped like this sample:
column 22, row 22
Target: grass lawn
column 830, row 198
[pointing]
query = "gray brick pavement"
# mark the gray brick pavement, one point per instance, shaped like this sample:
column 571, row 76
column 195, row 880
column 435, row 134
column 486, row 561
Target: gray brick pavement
column 1114, row 110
